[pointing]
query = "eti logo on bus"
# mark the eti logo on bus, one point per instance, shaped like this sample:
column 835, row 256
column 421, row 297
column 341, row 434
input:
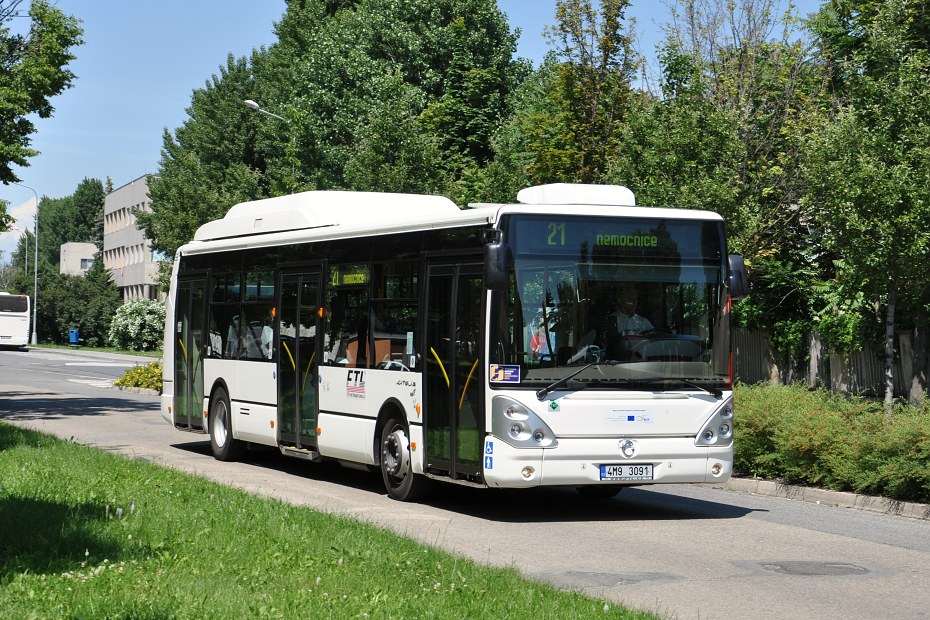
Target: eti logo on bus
column 355, row 384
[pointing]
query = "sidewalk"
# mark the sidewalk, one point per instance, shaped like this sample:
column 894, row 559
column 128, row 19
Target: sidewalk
column 79, row 353
column 841, row 499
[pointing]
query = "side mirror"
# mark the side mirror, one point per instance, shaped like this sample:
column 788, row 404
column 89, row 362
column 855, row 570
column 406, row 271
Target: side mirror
column 738, row 282
column 495, row 266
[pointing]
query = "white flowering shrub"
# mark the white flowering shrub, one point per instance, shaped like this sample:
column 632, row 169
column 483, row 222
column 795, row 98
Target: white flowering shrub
column 138, row 326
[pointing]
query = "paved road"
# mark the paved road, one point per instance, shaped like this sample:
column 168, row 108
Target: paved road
column 688, row 551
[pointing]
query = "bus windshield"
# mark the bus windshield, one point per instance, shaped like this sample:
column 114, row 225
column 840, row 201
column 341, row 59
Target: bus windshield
column 639, row 301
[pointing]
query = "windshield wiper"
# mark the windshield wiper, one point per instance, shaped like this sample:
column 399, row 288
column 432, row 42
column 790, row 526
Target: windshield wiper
column 541, row 394
column 713, row 391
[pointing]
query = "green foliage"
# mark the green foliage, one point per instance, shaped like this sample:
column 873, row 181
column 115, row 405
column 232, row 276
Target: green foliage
column 392, row 152
column 867, row 167
column 87, row 533
column 72, row 218
column 86, row 302
column 375, row 95
column 807, row 436
column 138, row 325
column 34, row 69
column 212, row 162
column 148, row 377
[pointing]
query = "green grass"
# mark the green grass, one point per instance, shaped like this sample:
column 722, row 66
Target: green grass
column 89, row 534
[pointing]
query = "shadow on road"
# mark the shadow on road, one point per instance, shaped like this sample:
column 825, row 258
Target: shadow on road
column 24, row 406
column 505, row 505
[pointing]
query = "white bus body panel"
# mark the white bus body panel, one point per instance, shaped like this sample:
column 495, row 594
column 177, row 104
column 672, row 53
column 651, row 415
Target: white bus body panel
column 358, row 395
column 253, row 395
column 14, row 331
column 589, row 413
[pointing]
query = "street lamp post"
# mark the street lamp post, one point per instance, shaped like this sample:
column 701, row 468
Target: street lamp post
column 252, row 105
column 35, row 285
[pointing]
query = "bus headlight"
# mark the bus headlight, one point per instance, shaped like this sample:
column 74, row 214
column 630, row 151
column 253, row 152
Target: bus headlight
column 718, row 429
column 517, row 425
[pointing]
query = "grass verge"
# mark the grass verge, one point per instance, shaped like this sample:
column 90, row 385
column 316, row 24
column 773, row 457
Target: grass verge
column 89, row 534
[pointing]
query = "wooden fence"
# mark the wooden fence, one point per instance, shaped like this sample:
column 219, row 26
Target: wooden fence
column 861, row 373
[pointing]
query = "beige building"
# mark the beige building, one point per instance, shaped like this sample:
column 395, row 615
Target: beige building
column 127, row 254
column 75, row 258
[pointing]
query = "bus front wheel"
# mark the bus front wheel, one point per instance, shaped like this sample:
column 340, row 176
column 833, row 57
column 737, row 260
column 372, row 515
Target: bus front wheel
column 222, row 443
column 396, row 468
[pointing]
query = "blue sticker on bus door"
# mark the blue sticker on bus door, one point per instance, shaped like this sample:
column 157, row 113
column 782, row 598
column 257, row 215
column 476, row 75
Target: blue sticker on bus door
column 489, row 462
column 499, row 373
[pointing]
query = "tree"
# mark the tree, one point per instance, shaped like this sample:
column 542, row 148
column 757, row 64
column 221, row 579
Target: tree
column 72, row 218
column 393, row 153
column 868, row 167
column 33, row 68
column 592, row 84
column 374, row 94
column 738, row 93
column 327, row 73
column 86, row 303
column 210, row 163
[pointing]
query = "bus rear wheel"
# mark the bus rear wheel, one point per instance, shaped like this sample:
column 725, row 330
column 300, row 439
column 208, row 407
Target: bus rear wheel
column 396, row 468
column 222, row 443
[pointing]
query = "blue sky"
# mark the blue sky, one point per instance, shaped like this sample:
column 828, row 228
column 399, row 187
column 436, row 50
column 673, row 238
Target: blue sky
column 142, row 60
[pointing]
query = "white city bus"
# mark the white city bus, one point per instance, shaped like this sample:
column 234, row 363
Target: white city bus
column 478, row 346
column 14, row 320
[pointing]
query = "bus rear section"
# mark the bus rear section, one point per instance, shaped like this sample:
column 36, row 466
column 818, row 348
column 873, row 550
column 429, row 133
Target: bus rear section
column 14, row 320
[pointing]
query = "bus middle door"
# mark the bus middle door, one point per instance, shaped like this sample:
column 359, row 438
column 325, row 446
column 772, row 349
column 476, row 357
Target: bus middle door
column 298, row 326
column 453, row 403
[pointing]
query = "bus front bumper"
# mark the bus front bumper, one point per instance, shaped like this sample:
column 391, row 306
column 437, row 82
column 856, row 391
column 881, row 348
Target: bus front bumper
column 578, row 461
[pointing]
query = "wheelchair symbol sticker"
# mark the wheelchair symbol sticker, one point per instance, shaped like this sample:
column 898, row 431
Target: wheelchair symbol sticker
column 499, row 373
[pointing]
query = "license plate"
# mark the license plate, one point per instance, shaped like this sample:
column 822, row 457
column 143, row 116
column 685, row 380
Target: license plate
column 626, row 472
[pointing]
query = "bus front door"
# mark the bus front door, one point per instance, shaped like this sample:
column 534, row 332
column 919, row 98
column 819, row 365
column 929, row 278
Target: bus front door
column 453, row 403
column 298, row 326
column 190, row 311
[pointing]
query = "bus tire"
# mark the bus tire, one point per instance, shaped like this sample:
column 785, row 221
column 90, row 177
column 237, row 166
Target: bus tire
column 222, row 443
column 396, row 467
column 599, row 492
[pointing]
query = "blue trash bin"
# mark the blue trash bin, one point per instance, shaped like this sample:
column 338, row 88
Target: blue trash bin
column 73, row 336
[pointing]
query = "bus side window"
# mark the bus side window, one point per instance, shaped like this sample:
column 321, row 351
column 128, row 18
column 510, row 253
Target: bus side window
column 348, row 327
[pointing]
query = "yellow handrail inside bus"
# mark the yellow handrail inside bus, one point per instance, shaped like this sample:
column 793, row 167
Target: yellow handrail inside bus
column 441, row 367
column 467, row 381
column 183, row 348
column 293, row 363
column 303, row 384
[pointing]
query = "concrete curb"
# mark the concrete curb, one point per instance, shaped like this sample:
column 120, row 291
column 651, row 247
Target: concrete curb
column 840, row 499
column 138, row 390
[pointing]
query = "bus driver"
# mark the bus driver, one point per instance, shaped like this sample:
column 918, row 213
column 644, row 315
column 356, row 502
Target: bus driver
column 628, row 322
